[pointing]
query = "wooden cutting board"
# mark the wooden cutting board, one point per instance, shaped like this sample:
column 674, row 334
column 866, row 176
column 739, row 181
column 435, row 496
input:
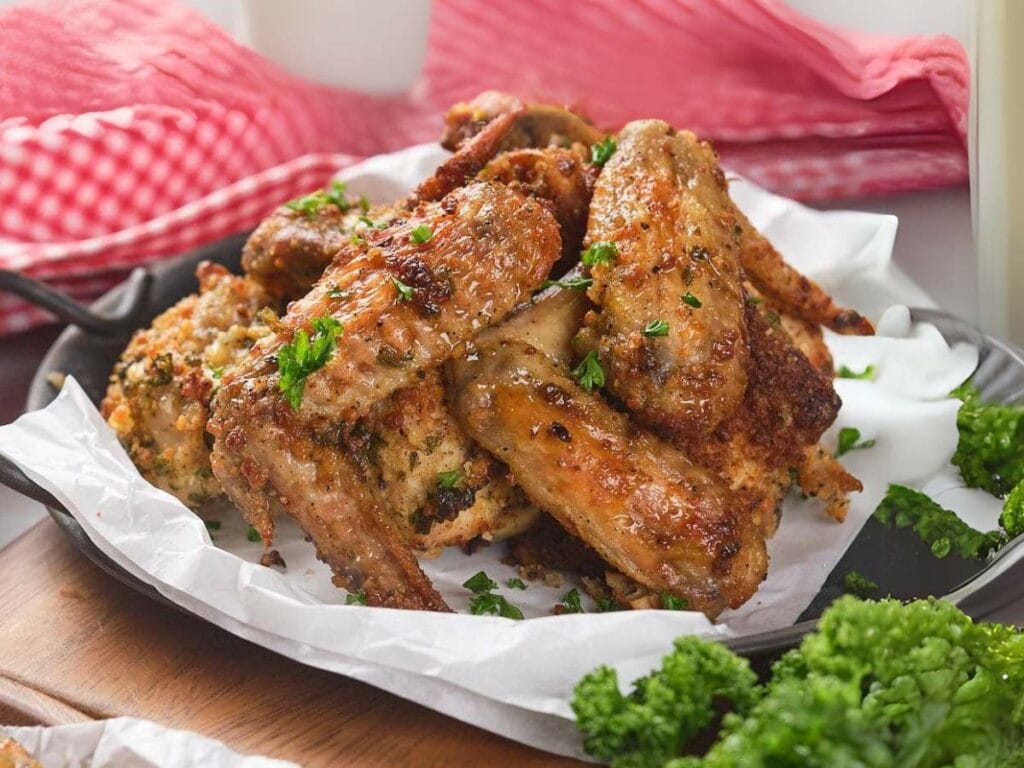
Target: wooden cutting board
column 76, row 644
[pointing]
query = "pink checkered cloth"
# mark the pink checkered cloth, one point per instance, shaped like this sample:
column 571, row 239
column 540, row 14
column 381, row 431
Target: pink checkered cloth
column 135, row 130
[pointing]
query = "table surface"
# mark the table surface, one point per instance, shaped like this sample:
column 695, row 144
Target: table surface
column 76, row 644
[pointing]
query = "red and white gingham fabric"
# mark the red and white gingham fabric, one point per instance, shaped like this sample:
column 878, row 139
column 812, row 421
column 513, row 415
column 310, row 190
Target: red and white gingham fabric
column 135, row 130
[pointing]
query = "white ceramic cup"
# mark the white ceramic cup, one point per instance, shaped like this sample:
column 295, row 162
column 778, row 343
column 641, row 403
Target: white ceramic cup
column 373, row 46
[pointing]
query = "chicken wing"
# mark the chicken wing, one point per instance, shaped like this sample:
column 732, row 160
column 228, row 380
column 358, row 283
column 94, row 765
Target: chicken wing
column 640, row 503
column 158, row 397
column 427, row 473
column 795, row 293
column 661, row 202
column 412, row 295
column 563, row 177
column 290, row 249
column 788, row 404
column 534, row 125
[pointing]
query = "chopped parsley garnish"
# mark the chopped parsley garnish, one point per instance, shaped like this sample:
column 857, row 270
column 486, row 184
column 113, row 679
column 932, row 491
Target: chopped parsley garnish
column 212, row 525
column 217, row 372
column 449, row 480
column 311, row 204
column 601, row 252
column 493, row 605
column 421, row 233
column 846, row 372
column 485, row 601
column 304, row 355
column 479, row 583
column 606, row 604
column 579, row 283
column 990, row 453
column 357, row 239
column 356, row 598
column 571, row 602
column 589, row 372
column 755, row 300
column 253, row 535
column 859, row 585
column 405, row 292
column 367, row 221
column 673, row 603
column 338, row 293
column 693, row 301
column 602, row 151
column 940, row 528
column 656, row 328
column 516, row 583
column 364, row 204
column 849, row 440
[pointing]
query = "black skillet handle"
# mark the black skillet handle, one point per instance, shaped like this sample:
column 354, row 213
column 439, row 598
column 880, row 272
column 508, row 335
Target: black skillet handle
column 122, row 322
column 16, row 480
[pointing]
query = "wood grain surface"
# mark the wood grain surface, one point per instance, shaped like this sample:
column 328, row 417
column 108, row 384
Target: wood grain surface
column 75, row 643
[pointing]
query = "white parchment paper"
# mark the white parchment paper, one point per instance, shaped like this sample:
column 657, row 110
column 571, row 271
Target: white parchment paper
column 516, row 678
column 126, row 742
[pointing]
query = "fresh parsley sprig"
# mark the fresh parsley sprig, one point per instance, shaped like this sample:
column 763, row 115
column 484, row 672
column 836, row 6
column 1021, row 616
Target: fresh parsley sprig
column 849, row 440
column 589, row 372
column 405, row 292
column 421, row 234
column 601, row 152
column 305, row 354
column 672, row 603
column 845, row 372
column 601, row 252
column 485, row 601
column 571, row 602
column 655, row 328
column 309, row 205
column 448, row 480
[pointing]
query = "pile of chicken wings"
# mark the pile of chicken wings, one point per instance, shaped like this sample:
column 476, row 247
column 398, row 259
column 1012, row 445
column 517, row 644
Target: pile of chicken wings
column 564, row 338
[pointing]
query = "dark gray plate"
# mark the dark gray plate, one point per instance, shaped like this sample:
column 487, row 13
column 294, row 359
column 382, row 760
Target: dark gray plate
column 897, row 560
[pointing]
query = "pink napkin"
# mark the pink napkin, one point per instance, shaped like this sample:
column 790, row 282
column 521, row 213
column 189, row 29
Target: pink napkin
column 134, row 130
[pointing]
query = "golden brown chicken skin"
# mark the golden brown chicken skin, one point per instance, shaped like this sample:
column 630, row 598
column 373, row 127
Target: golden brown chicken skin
column 533, row 125
column 562, row 177
column 425, row 471
column 661, row 201
column 793, row 292
column 158, row 397
column 407, row 302
column 786, row 408
column 641, row 504
column 290, row 249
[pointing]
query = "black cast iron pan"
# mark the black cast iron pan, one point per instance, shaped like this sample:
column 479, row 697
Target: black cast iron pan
column 898, row 561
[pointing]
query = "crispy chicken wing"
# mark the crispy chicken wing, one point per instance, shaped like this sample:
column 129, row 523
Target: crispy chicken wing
column 159, row 393
column 290, row 249
column 641, row 504
column 788, row 404
column 662, row 201
column 534, row 125
column 563, row 177
column 412, row 296
column 796, row 294
column 434, row 480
